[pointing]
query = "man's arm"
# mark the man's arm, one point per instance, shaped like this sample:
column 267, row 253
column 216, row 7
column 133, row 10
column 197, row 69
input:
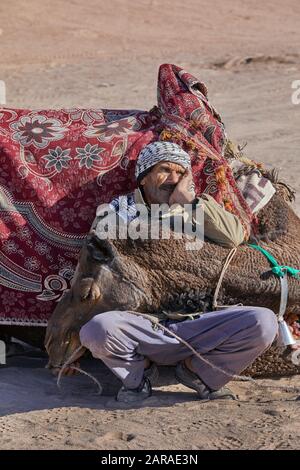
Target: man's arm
column 220, row 226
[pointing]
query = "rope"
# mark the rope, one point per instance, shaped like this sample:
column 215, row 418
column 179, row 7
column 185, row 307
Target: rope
column 89, row 375
column 281, row 272
column 228, row 260
column 241, row 378
column 277, row 269
column 66, row 364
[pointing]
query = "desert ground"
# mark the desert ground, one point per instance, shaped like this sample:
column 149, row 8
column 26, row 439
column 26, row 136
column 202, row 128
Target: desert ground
column 106, row 54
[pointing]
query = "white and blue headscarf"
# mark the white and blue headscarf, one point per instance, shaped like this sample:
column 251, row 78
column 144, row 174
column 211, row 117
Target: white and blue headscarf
column 157, row 152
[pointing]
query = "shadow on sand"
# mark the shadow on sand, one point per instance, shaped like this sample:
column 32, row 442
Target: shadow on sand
column 26, row 385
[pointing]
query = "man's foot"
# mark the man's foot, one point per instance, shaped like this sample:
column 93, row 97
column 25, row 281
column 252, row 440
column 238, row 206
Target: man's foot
column 135, row 395
column 152, row 373
column 192, row 380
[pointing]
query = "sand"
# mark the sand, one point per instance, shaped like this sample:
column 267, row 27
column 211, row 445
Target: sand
column 106, row 54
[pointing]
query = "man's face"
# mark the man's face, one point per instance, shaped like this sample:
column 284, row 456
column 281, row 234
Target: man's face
column 161, row 181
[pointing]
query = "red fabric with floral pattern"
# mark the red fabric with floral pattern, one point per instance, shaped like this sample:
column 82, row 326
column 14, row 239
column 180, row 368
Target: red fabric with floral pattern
column 57, row 166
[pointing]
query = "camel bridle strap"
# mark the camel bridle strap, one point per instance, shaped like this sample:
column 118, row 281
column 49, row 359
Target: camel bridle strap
column 281, row 272
column 283, row 297
column 277, row 269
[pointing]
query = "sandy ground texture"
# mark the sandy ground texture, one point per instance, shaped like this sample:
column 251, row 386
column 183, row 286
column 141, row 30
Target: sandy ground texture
column 106, row 54
column 35, row 414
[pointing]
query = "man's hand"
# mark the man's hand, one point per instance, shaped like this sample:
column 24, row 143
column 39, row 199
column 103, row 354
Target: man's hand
column 184, row 193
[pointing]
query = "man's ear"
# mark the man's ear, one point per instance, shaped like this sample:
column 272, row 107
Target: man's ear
column 143, row 181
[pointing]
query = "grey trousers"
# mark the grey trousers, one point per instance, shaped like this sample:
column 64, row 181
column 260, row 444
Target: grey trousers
column 230, row 339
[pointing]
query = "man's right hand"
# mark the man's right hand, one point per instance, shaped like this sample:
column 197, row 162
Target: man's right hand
column 184, row 192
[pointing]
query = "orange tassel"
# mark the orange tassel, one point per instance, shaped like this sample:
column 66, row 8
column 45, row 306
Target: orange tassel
column 220, row 175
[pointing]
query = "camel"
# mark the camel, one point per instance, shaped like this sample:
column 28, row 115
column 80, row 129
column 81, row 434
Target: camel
column 151, row 276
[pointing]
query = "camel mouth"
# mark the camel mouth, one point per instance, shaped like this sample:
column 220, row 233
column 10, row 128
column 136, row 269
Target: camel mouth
column 69, row 356
column 58, row 356
column 54, row 369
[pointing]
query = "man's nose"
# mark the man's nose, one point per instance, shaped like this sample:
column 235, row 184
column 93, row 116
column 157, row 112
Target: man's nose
column 173, row 177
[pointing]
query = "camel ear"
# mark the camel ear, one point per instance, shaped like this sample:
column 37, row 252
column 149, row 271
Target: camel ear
column 99, row 250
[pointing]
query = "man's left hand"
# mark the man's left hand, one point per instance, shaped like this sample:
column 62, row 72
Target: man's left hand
column 184, row 193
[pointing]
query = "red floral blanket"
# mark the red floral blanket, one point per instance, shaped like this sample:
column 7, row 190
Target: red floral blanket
column 57, row 166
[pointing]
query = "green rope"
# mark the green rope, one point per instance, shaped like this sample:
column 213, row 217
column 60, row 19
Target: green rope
column 277, row 269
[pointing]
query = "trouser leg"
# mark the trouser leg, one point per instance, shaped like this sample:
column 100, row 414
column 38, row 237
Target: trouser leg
column 230, row 339
column 122, row 340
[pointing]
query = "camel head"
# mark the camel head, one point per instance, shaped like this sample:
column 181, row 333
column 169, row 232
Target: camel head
column 102, row 282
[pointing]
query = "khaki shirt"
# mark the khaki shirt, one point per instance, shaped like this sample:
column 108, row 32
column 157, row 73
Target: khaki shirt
column 220, row 226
